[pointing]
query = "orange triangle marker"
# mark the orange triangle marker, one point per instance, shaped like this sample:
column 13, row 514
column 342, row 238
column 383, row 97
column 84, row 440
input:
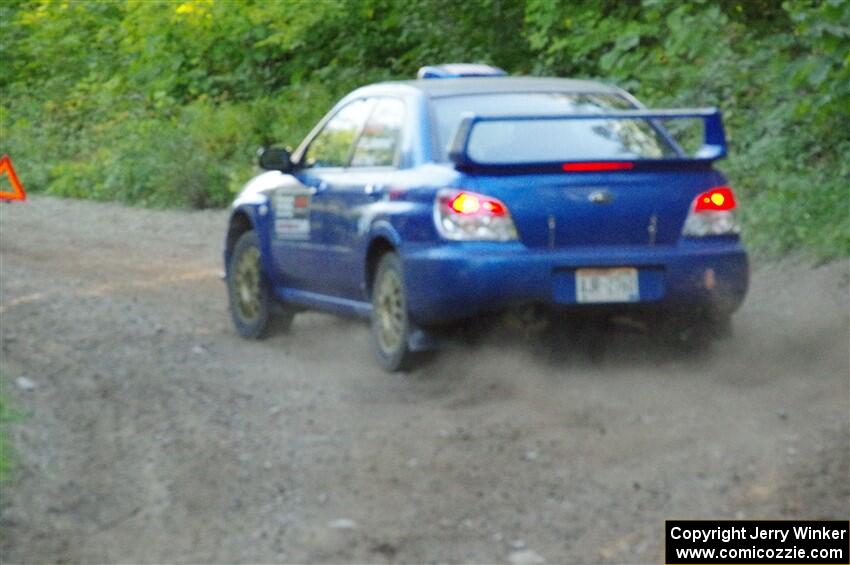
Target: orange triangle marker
column 17, row 192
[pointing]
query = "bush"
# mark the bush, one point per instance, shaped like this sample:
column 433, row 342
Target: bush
column 165, row 103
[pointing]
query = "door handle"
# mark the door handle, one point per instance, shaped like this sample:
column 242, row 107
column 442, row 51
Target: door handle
column 373, row 189
column 322, row 185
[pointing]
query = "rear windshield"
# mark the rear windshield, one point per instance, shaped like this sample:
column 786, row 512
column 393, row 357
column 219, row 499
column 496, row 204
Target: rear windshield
column 550, row 140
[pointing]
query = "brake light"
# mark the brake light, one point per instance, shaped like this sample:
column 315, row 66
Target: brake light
column 597, row 166
column 468, row 203
column 720, row 198
column 465, row 203
column 712, row 213
column 465, row 215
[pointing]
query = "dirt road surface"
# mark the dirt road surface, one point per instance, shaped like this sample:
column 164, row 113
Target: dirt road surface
column 153, row 433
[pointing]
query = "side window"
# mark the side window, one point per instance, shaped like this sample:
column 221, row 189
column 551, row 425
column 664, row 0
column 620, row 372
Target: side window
column 332, row 146
column 378, row 144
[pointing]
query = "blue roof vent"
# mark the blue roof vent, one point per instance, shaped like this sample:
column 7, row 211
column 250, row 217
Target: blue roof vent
column 457, row 70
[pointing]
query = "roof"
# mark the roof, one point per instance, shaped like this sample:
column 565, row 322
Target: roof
column 471, row 85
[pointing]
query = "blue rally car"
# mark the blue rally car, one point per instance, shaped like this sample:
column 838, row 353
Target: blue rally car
column 419, row 204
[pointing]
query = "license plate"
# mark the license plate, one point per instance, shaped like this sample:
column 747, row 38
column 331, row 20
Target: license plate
column 607, row 285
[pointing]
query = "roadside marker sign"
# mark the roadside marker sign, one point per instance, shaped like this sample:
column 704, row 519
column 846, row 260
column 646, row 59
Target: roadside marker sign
column 17, row 192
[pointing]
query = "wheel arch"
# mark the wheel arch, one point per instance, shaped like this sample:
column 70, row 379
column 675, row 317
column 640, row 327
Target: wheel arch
column 378, row 247
column 384, row 238
column 239, row 223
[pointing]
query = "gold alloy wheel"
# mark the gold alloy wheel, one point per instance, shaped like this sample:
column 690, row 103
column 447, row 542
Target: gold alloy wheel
column 390, row 312
column 246, row 282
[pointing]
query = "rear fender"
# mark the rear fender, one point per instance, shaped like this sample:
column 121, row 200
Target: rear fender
column 380, row 230
column 383, row 228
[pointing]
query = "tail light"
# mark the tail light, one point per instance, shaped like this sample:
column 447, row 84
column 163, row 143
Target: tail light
column 464, row 215
column 712, row 213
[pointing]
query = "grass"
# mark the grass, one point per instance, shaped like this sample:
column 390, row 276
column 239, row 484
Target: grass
column 7, row 415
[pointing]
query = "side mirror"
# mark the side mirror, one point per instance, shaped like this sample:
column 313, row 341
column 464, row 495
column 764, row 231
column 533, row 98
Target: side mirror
column 275, row 159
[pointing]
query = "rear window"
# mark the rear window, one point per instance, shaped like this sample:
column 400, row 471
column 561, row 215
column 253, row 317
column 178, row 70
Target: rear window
column 537, row 141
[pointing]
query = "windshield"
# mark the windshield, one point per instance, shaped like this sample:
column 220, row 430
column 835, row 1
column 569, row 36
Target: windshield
column 550, row 140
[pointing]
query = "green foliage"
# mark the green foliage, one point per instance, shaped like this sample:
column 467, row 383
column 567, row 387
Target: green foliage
column 7, row 415
column 164, row 103
column 780, row 72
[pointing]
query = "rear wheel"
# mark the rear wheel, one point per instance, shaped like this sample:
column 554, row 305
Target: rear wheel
column 390, row 321
column 252, row 306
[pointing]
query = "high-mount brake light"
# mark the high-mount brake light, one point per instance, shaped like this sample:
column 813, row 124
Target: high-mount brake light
column 596, row 166
column 712, row 213
column 465, row 215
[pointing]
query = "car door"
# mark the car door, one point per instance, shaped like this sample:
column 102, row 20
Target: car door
column 349, row 200
column 301, row 207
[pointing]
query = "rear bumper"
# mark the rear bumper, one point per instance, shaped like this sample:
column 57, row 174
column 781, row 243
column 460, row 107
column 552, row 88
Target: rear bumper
column 453, row 281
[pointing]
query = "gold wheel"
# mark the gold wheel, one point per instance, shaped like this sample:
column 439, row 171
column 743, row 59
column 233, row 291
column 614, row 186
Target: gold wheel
column 246, row 280
column 390, row 311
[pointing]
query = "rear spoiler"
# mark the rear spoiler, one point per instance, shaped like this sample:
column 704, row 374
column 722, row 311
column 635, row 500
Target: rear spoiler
column 713, row 148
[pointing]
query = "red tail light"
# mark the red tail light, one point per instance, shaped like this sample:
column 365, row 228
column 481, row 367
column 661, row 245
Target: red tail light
column 719, row 198
column 467, row 203
column 597, row 166
column 465, row 215
column 712, row 213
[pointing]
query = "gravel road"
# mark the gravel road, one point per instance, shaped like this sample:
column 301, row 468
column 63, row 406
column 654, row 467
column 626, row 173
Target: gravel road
column 153, row 433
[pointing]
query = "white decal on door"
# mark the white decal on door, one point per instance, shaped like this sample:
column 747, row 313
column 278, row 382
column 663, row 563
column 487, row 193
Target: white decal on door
column 291, row 215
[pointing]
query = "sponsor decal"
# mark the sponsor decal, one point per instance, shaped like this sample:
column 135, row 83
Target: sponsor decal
column 291, row 214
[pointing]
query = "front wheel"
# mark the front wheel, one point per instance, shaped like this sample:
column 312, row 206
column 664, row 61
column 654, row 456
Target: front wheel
column 252, row 306
column 390, row 321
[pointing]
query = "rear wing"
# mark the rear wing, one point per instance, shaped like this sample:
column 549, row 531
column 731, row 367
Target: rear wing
column 712, row 149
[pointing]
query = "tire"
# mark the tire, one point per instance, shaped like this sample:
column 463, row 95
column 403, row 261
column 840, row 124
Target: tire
column 252, row 307
column 390, row 325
